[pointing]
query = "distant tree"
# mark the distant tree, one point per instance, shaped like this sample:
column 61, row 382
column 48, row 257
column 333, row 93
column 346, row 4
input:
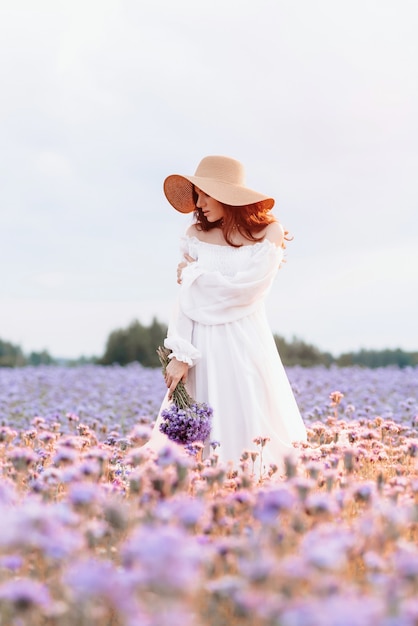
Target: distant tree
column 115, row 351
column 378, row 358
column 298, row 352
column 135, row 343
column 139, row 343
column 11, row 355
column 81, row 360
column 40, row 358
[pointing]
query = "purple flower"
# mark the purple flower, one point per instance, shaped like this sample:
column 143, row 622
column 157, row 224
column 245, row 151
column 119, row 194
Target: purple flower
column 406, row 562
column 140, row 434
column 25, row 594
column 259, row 569
column 374, row 562
column 294, row 567
column 22, row 458
column 328, row 547
column 90, row 467
column 164, row 558
column 364, row 492
column 337, row 610
column 36, row 526
column 94, row 581
column 7, row 434
column 91, row 578
column 413, row 447
column 188, row 425
column 187, row 510
column 12, row 562
column 82, row 493
column 170, row 455
column 271, row 502
column 7, row 491
column 226, row 586
column 185, row 421
column 64, row 456
column 320, row 503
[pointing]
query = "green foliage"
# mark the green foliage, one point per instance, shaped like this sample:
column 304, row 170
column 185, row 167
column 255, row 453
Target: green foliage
column 297, row 352
column 10, row 355
column 40, row 358
column 135, row 343
column 13, row 356
column 139, row 343
column 81, row 360
column 378, row 358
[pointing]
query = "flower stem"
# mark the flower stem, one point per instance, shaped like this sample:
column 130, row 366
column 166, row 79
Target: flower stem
column 180, row 396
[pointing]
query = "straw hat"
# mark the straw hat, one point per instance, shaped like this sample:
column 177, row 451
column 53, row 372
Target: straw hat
column 221, row 178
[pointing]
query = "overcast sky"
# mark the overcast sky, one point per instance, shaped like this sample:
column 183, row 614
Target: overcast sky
column 101, row 100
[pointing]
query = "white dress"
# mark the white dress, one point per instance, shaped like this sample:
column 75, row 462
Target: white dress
column 220, row 329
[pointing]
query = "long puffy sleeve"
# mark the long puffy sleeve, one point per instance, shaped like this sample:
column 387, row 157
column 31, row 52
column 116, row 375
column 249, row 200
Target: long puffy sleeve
column 211, row 297
column 179, row 338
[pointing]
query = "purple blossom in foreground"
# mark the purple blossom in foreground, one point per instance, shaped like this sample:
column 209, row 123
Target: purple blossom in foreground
column 185, row 509
column 347, row 610
column 12, row 562
column 270, row 502
column 187, row 425
column 95, row 582
column 48, row 530
column 165, row 559
column 328, row 547
column 24, row 594
column 97, row 530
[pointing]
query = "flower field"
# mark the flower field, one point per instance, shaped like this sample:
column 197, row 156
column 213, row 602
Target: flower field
column 95, row 530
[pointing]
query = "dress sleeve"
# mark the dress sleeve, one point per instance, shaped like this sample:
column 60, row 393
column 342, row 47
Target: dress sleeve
column 210, row 297
column 179, row 334
column 179, row 338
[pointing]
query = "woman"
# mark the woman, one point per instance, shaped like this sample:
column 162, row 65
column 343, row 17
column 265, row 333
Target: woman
column 219, row 336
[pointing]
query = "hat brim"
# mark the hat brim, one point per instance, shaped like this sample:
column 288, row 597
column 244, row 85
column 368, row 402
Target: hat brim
column 179, row 192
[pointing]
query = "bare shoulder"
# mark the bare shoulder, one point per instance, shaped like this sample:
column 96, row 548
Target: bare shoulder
column 274, row 233
column 192, row 231
column 210, row 236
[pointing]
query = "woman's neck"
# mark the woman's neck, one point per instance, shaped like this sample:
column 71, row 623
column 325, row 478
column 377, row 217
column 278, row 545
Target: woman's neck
column 216, row 236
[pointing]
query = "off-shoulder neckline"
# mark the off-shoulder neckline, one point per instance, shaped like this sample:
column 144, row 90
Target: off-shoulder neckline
column 221, row 245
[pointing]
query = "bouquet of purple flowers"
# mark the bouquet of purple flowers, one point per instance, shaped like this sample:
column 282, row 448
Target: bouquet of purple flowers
column 185, row 421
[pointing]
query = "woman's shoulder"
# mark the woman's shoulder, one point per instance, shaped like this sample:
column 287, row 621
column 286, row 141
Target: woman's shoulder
column 275, row 233
column 213, row 235
column 192, row 231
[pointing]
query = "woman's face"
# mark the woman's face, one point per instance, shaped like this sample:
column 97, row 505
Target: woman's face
column 211, row 208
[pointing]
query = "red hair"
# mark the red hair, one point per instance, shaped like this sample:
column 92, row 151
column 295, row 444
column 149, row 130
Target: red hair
column 249, row 220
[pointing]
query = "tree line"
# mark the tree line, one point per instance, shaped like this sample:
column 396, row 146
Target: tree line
column 298, row 352
column 13, row 356
column 135, row 343
column 138, row 342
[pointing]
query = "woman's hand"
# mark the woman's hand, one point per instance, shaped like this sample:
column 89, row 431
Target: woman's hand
column 182, row 265
column 175, row 372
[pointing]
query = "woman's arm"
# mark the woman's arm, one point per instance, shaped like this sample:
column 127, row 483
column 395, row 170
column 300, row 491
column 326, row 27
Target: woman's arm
column 210, row 297
column 179, row 340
